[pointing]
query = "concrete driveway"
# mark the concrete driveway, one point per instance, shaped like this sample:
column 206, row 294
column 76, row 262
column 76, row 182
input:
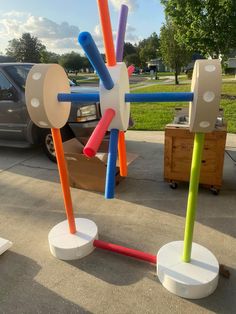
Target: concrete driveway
column 145, row 215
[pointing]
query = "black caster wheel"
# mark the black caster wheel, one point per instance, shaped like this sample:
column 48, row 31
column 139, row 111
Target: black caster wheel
column 173, row 185
column 214, row 191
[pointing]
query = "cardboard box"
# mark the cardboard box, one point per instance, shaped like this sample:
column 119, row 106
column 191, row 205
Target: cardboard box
column 88, row 173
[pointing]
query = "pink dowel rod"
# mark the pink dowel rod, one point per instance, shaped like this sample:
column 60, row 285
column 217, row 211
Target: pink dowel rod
column 131, row 69
column 98, row 134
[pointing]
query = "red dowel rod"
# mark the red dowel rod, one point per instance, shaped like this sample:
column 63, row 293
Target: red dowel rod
column 98, row 134
column 125, row 251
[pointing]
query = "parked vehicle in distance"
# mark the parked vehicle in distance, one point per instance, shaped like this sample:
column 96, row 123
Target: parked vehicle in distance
column 136, row 71
column 16, row 127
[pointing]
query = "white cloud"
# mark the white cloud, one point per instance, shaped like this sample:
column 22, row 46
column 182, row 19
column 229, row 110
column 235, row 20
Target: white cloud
column 15, row 14
column 56, row 36
column 45, row 28
column 98, row 38
column 130, row 36
column 132, row 4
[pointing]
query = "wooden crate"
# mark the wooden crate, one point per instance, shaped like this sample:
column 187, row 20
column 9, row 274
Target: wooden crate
column 178, row 156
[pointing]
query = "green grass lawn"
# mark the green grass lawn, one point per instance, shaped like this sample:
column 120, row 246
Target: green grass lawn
column 229, row 88
column 84, row 78
column 154, row 116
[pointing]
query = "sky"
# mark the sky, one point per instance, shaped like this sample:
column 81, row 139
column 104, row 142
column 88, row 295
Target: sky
column 57, row 23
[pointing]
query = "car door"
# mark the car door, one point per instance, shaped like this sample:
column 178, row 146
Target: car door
column 11, row 126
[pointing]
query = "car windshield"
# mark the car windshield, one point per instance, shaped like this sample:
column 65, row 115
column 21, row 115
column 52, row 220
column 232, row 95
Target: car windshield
column 19, row 73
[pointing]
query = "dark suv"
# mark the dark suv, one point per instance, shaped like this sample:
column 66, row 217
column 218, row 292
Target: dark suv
column 16, row 127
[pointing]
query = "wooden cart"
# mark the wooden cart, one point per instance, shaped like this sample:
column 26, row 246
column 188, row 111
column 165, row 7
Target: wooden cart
column 178, row 156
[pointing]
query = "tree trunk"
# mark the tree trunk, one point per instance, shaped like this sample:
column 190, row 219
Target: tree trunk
column 176, row 77
column 176, row 73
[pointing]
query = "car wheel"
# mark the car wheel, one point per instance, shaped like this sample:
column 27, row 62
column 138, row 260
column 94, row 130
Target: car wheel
column 48, row 145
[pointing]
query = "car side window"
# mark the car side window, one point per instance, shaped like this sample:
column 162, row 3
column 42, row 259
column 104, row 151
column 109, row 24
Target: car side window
column 7, row 90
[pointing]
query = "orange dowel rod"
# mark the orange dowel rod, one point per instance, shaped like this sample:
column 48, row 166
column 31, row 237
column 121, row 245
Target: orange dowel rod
column 98, row 134
column 122, row 154
column 107, row 32
column 121, row 142
column 61, row 163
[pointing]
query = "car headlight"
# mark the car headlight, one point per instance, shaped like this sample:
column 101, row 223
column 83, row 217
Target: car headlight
column 87, row 113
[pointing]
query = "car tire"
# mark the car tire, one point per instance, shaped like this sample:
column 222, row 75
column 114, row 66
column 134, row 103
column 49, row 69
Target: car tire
column 48, row 145
column 47, row 141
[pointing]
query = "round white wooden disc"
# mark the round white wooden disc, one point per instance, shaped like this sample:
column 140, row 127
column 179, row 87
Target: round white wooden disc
column 193, row 280
column 44, row 83
column 67, row 246
column 4, row 245
column 206, row 86
column 115, row 98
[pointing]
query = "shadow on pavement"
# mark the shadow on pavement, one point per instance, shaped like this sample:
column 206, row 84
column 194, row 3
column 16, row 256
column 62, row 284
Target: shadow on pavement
column 145, row 185
column 21, row 293
column 114, row 268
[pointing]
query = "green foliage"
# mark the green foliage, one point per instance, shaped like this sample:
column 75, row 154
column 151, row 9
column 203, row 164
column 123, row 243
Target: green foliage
column 132, row 59
column 49, row 57
column 148, row 49
column 131, row 55
column 129, row 49
column 207, row 26
column 26, row 49
column 72, row 61
column 174, row 54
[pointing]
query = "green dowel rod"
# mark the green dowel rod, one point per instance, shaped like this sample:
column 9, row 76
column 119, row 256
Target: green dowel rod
column 192, row 195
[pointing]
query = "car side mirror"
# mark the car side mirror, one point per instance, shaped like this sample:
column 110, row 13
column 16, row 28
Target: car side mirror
column 9, row 94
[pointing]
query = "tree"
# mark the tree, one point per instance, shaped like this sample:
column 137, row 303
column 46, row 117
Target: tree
column 26, row 49
column 49, row 57
column 148, row 49
column 173, row 54
column 72, row 61
column 131, row 55
column 132, row 59
column 129, row 49
column 207, row 26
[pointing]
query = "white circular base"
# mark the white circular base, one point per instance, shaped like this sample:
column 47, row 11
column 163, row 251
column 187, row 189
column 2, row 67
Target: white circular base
column 193, row 280
column 67, row 246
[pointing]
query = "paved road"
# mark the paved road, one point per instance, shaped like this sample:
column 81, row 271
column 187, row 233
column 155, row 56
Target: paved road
column 145, row 215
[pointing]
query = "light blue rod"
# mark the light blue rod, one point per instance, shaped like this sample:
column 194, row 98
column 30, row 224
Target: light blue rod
column 159, row 97
column 111, row 164
column 87, row 43
column 153, row 97
column 74, row 97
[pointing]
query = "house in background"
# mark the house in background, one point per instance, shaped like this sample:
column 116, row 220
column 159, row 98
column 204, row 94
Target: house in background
column 231, row 66
column 157, row 65
column 5, row 59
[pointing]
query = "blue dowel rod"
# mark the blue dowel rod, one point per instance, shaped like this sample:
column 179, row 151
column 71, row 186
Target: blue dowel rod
column 159, row 97
column 87, row 43
column 111, row 164
column 94, row 97
column 153, row 97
